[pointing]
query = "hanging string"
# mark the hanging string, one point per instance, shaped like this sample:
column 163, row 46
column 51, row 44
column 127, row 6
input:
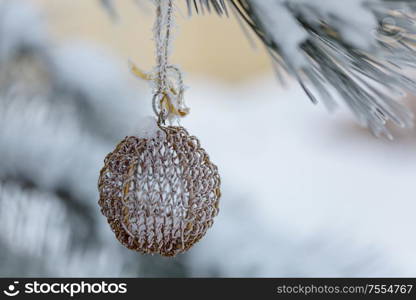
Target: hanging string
column 168, row 98
column 163, row 27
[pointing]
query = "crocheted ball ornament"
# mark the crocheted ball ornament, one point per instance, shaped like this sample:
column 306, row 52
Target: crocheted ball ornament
column 159, row 194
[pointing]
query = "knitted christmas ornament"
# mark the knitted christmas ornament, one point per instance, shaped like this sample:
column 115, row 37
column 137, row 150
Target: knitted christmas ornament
column 160, row 193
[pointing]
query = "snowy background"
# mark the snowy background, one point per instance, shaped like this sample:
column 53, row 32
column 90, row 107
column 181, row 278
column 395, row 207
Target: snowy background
column 305, row 193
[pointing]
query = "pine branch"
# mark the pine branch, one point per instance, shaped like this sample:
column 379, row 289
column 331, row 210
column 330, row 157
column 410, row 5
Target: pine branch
column 353, row 49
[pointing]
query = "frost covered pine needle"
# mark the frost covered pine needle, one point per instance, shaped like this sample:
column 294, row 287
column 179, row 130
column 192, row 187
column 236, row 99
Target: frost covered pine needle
column 351, row 49
column 355, row 50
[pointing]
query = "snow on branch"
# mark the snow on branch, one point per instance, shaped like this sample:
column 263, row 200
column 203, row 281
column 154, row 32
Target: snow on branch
column 350, row 49
column 354, row 50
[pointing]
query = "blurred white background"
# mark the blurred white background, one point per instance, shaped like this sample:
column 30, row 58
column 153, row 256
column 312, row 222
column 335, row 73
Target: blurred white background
column 305, row 193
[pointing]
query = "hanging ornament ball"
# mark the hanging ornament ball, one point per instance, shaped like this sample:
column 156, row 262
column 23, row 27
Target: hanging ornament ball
column 159, row 194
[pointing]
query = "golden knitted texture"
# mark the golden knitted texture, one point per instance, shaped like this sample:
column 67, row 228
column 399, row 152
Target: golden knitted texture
column 159, row 195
